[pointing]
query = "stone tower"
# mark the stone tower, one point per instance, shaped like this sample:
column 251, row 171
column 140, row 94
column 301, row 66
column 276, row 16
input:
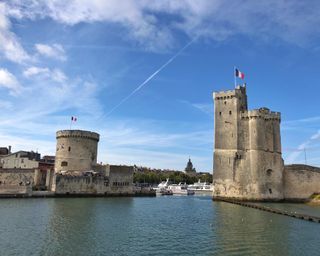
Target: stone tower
column 76, row 150
column 247, row 153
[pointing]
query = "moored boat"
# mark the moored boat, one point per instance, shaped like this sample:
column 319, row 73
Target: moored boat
column 180, row 189
column 166, row 192
column 162, row 186
column 204, row 187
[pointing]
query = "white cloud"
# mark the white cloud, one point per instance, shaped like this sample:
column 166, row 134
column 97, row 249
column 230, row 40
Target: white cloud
column 55, row 74
column 54, row 51
column 148, row 143
column 304, row 146
column 21, row 143
column 45, row 96
column 9, row 81
column 10, row 46
column 156, row 159
column 204, row 107
column 32, row 71
column 141, row 137
column 294, row 21
column 58, row 76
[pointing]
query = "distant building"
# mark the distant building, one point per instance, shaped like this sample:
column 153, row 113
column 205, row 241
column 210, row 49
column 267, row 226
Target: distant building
column 20, row 160
column 23, row 171
column 189, row 168
column 5, row 151
column 48, row 159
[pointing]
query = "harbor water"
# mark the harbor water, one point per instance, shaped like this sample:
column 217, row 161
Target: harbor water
column 167, row 225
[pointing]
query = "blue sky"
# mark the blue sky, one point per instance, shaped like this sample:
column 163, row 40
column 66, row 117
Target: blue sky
column 82, row 58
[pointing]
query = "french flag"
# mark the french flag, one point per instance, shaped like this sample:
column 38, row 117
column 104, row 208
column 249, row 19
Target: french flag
column 238, row 73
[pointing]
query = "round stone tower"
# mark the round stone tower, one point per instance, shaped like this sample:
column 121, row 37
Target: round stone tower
column 76, row 150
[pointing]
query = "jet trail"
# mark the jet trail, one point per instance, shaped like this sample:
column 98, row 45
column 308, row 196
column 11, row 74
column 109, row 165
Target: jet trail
column 149, row 78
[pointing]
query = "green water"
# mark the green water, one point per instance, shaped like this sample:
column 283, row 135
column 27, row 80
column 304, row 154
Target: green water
column 173, row 225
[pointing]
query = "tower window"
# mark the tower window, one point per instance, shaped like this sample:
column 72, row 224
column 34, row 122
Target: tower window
column 269, row 172
column 230, row 112
column 64, row 163
column 270, row 190
column 69, row 149
column 225, row 103
column 220, row 113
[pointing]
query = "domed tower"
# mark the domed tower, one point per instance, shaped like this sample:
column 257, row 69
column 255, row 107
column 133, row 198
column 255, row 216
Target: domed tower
column 189, row 169
column 76, row 150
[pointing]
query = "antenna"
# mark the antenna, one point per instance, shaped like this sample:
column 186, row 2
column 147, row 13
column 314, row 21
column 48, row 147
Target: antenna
column 305, row 156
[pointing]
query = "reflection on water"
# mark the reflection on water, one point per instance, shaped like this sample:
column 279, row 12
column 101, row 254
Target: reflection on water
column 78, row 226
column 242, row 230
column 182, row 225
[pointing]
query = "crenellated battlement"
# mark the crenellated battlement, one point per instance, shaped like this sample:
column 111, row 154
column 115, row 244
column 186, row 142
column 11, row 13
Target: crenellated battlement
column 247, row 158
column 262, row 113
column 229, row 94
column 78, row 134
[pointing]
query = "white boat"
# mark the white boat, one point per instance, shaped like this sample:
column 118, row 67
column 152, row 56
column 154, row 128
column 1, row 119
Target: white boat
column 180, row 189
column 162, row 185
column 162, row 188
column 165, row 192
column 201, row 187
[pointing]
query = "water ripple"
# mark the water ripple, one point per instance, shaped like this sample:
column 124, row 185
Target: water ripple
column 150, row 226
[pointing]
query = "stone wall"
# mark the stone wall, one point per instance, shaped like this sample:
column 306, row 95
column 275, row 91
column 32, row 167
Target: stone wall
column 17, row 176
column 16, row 181
column 116, row 180
column 120, row 179
column 76, row 150
column 301, row 181
column 67, row 184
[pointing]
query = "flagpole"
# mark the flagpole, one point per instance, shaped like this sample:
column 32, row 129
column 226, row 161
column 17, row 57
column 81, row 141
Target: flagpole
column 71, row 122
column 235, row 78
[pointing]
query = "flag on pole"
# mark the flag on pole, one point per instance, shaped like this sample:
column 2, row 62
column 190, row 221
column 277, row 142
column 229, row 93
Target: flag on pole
column 238, row 73
column 73, row 119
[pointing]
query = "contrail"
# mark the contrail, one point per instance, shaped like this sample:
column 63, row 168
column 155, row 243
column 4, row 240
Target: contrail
column 149, row 78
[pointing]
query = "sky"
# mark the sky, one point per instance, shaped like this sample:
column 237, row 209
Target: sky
column 142, row 73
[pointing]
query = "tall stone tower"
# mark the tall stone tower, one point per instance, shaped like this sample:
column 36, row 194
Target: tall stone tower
column 76, row 150
column 247, row 153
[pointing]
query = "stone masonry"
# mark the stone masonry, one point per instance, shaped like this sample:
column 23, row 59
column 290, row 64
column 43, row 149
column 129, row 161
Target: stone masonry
column 247, row 153
column 77, row 171
column 76, row 150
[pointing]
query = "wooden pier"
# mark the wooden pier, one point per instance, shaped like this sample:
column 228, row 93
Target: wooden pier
column 276, row 211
